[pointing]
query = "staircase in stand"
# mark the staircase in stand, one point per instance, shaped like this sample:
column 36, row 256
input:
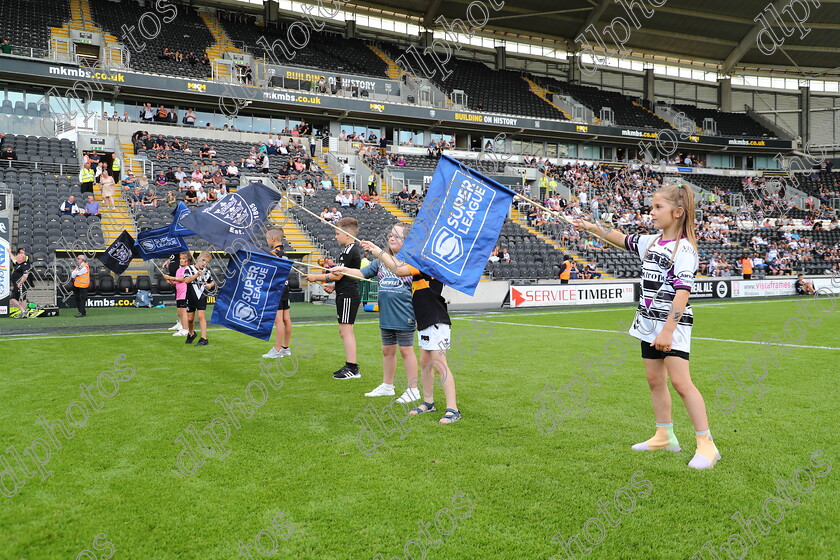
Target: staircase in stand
column 643, row 108
column 544, row 94
column 81, row 20
column 222, row 45
column 393, row 68
column 114, row 222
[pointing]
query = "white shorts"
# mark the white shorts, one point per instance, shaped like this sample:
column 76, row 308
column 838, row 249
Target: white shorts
column 434, row 338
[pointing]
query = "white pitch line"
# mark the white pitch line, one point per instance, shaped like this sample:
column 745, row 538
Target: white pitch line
column 88, row 335
column 693, row 337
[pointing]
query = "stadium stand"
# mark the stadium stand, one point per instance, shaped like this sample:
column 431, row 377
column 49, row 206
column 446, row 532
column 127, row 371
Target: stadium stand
column 26, row 24
column 325, row 51
column 192, row 37
column 728, row 124
column 625, row 111
column 498, row 91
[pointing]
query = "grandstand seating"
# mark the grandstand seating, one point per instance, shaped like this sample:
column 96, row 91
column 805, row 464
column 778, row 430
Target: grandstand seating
column 625, row 112
column 728, row 124
column 496, row 91
column 43, row 150
column 325, row 51
column 373, row 223
column 26, row 24
column 192, row 36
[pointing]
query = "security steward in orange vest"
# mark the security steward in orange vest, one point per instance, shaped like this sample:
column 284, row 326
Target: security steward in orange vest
column 81, row 283
column 566, row 273
column 746, row 267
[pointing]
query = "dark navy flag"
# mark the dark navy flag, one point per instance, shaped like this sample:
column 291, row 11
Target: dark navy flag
column 117, row 257
column 458, row 225
column 159, row 243
column 176, row 229
column 229, row 223
column 249, row 300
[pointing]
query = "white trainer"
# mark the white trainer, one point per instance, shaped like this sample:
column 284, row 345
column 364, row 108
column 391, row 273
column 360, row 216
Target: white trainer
column 411, row 394
column 273, row 353
column 382, row 391
column 182, row 332
column 285, row 352
column 176, row 327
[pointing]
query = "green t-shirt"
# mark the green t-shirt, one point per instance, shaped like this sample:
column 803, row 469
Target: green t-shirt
column 7, row 49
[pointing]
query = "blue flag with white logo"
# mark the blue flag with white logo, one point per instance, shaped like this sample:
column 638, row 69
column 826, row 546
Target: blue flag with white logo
column 249, row 300
column 458, row 225
column 159, row 242
column 231, row 222
column 176, row 229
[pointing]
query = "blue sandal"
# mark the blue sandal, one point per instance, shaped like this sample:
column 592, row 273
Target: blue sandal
column 429, row 407
column 451, row 416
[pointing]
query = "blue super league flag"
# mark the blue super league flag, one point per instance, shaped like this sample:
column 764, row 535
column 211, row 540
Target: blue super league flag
column 229, row 223
column 159, row 243
column 458, row 225
column 249, row 300
column 176, row 229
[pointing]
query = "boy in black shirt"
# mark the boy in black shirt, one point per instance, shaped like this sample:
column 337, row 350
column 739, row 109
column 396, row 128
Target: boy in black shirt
column 347, row 298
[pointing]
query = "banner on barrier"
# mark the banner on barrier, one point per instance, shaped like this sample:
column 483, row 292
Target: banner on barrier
column 546, row 295
column 763, row 288
column 703, row 289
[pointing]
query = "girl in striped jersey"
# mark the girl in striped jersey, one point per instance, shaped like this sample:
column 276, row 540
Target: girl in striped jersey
column 663, row 319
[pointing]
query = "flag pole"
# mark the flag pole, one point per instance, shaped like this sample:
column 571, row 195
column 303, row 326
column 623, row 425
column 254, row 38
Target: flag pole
column 324, row 268
column 560, row 215
column 322, row 219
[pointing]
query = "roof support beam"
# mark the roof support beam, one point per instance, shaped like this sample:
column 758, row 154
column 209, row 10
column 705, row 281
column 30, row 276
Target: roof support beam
column 596, row 13
column 431, row 13
column 748, row 41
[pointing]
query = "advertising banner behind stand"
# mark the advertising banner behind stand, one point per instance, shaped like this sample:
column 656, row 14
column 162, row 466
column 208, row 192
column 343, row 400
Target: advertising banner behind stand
column 547, row 295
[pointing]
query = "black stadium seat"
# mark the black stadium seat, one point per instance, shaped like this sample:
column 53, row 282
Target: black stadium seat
column 106, row 285
column 125, row 286
column 144, row 283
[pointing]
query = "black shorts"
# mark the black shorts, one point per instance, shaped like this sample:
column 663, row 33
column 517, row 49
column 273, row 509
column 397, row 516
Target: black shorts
column 747, row 276
column 652, row 353
column 181, row 303
column 18, row 294
column 346, row 308
column 196, row 303
column 284, row 305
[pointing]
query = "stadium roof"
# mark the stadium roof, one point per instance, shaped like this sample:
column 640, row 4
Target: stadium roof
column 721, row 33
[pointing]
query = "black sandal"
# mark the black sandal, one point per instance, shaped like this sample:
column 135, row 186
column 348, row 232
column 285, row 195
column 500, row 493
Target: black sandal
column 452, row 415
column 430, row 407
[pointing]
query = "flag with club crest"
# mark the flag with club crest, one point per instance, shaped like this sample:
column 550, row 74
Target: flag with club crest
column 117, row 257
column 232, row 223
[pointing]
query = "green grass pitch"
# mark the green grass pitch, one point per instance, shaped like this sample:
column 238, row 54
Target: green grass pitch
column 539, row 467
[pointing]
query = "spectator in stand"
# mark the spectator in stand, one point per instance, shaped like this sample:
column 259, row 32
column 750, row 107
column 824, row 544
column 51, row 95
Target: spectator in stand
column 6, row 48
column 190, row 117
column 68, row 207
column 92, row 207
column 191, row 197
column 150, row 199
column 345, row 199
column 108, row 187
column 201, row 195
column 160, row 179
column 135, row 197
column 403, row 194
column 147, row 113
column 232, row 170
column 9, row 153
